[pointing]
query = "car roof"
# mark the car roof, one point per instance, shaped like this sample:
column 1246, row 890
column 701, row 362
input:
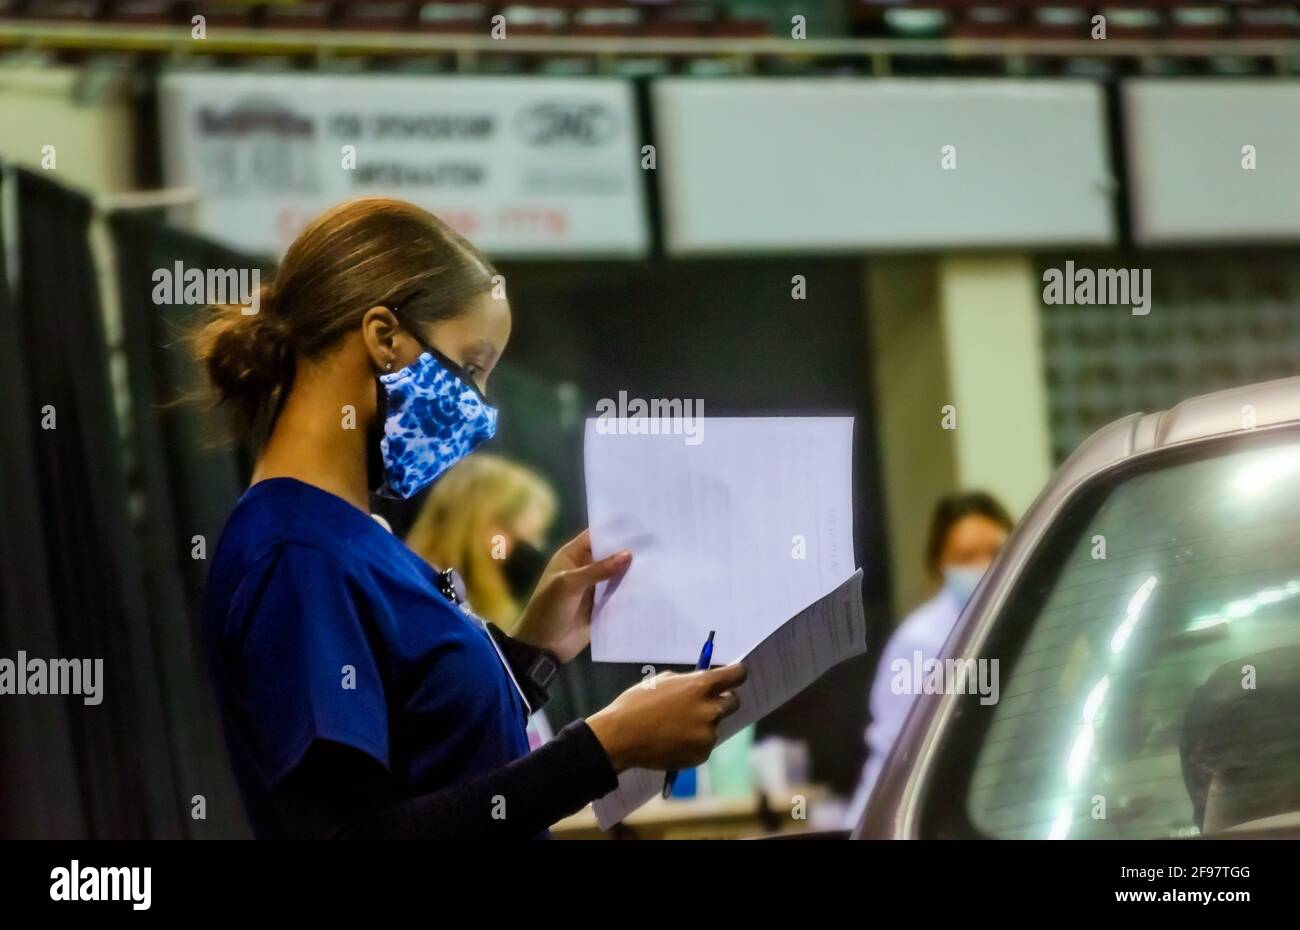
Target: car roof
column 1236, row 410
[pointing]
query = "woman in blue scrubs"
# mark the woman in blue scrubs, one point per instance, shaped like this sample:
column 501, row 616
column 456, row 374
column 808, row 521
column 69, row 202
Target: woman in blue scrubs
column 359, row 697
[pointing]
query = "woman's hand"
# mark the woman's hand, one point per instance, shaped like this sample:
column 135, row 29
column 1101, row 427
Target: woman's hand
column 558, row 617
column 669, row 721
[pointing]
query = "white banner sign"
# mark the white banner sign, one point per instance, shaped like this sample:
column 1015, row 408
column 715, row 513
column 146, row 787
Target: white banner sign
column 776, row 165
column 520, row 166
column 1213, row 160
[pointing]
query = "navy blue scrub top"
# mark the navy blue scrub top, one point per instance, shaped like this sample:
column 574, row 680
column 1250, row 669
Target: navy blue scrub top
column 322, row 625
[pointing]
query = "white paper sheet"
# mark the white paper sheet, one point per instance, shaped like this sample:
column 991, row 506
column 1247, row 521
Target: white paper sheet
column 735, row 529
column 819, row 637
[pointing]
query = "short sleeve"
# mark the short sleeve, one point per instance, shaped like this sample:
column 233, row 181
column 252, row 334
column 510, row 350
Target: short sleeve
column 304, row 667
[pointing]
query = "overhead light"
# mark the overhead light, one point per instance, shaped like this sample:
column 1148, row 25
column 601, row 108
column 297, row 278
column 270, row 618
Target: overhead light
column 1245, row 607
column 1132, row 614
column 1262, row 474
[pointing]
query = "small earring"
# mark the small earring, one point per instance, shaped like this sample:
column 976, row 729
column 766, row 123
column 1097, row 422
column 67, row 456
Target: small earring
column 389, row 366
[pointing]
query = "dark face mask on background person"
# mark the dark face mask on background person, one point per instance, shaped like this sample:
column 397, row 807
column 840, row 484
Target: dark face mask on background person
column 430, row 416
column 523, row 568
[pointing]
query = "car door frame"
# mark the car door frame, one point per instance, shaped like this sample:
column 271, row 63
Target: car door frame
column 899, row 805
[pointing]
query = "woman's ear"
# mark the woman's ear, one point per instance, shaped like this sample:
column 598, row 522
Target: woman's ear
column 379, row 330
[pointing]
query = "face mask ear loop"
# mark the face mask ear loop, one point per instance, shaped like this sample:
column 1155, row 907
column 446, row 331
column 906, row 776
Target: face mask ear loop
column 454, row 367
column 397, row 309
column 374, row 440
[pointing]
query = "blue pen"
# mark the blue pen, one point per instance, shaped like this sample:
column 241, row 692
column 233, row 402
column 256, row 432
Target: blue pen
column 706, row 656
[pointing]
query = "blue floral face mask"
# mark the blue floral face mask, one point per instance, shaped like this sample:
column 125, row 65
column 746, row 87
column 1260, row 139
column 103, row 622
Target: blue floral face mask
column 433, row 418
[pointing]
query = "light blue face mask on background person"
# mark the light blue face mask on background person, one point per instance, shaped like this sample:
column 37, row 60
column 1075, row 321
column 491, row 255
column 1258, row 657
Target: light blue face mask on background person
column 961, row 580
column 433, row 417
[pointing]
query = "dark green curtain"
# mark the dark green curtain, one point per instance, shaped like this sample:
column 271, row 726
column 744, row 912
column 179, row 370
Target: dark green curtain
column 110, row 770
column 190, row 478
column 186, row 482
column 103, row 517
column 41, row 793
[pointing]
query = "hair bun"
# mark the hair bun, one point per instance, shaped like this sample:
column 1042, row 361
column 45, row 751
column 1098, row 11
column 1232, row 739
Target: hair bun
column 248, row 358
column 265, row 299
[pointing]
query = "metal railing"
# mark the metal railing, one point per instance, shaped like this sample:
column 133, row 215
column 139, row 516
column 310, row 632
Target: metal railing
column 467, row 49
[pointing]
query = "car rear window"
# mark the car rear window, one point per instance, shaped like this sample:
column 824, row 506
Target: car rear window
column 1155, row 691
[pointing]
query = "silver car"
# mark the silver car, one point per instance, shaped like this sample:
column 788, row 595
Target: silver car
column 1144, row 619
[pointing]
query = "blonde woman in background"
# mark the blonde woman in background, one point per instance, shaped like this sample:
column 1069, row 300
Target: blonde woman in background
column 488, row 518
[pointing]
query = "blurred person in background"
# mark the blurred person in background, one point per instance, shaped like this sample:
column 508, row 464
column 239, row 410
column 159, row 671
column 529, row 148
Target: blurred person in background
column 966, row 533
column 359, row 699
column 488, row 518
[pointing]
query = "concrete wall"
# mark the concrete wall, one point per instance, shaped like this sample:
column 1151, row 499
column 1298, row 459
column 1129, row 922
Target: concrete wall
column 911, row 385
column 990, row 307
column 83, row 112
column 961, row 331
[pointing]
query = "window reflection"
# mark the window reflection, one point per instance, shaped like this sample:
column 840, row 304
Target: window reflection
column 1158, row 690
